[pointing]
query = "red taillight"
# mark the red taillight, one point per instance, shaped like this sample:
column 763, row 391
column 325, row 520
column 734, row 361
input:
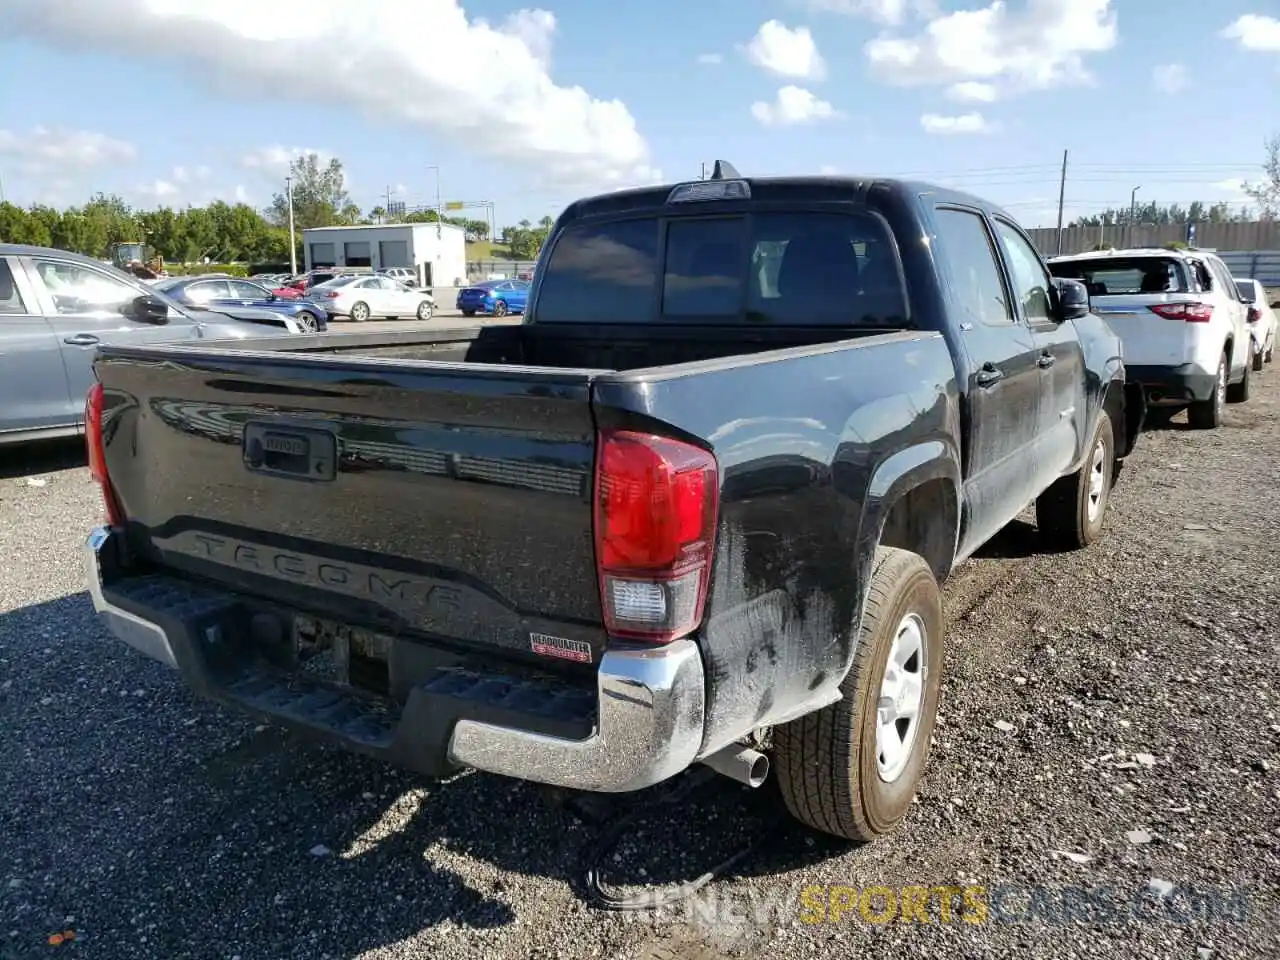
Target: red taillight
column 656, row 501
column 1254, row 314
column 331, row 294
column 98, row 454
column 1190, row 312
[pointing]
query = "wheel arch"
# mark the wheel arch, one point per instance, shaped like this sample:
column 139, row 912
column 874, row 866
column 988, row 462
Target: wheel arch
column 913, row 503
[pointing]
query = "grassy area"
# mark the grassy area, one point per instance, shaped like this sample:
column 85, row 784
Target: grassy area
column 487, row 250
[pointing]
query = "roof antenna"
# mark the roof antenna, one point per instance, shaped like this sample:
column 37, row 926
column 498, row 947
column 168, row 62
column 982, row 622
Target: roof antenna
column 724, row 170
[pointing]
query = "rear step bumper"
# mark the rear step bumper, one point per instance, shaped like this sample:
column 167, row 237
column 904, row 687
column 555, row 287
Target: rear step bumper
column 1165, row 385
column 648, row 711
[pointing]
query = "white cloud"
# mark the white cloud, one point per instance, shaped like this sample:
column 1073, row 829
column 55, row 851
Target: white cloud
column 421, row 57
column 711, row 59
column 965, row 123
column 1232, row 185
column 793, row 105
column 186, row 186
column 892, row 12
column 972, row 91
column 1170, row 77
column 1255, row 32
column 785, row 52
column 160, row 191
column 1033, row 46
column 44, row 148
column 274, row 161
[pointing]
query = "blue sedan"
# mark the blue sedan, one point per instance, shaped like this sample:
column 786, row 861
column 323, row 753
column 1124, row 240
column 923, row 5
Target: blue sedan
column 496, row 298
column 210, row 293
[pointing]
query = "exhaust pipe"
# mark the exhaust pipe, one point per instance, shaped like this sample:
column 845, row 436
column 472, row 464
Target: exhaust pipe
column 740, row 763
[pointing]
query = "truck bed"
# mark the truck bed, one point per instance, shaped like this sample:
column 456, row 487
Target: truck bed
column 604, row 348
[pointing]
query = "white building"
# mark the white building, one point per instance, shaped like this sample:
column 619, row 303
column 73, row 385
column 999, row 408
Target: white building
column 437, row 251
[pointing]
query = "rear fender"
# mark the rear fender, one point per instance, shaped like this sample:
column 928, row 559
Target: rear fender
column 912, row 502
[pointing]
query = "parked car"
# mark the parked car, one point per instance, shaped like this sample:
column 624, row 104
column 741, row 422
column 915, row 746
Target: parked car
column 494, row 297
column 297, row 286
column 1262, row 320
column 216, row 293
column 406, row 275
column 363, row 297
column 1182, row 321
column 57, row 307
column 689, row 511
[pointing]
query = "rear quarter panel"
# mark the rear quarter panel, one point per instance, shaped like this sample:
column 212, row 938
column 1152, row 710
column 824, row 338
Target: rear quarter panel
column 812, row 444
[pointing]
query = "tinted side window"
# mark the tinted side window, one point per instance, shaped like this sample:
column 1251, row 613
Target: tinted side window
column 1030, row 279
column 10, row 299
column 601, row 274
column 966, row 249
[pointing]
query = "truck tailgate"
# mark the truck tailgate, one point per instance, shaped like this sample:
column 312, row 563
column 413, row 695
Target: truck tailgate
column 449, row 501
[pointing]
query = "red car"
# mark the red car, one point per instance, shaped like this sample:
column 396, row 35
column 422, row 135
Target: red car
column 299, row 285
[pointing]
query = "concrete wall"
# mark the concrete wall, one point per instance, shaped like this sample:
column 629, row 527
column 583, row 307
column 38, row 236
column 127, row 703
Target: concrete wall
column 1258, row 235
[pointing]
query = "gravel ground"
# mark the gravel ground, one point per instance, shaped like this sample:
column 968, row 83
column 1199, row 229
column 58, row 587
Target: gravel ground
column 1109, row 721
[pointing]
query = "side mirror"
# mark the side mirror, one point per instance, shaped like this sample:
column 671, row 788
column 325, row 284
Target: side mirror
column 1073, row 299
column 147, row 309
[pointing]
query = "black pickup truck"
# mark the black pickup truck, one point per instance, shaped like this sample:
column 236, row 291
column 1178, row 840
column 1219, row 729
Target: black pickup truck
column 696, row 508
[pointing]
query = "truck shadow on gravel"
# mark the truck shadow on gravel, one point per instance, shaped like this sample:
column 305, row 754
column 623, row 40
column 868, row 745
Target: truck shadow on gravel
column 46, row 456
column 204, row 828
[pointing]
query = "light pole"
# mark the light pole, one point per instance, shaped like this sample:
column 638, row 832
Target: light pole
column 1133, row 204
column 293, row 243
column 439, row 209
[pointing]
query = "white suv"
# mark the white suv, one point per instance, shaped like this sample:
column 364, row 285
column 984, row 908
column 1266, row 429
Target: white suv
column 1182, row 322
column 1262, row 320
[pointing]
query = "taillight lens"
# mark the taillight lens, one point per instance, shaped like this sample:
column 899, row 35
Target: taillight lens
column 1190, row 312
column 98, row 454
column 331, row 294
column 1254, row 314
column 656, row 501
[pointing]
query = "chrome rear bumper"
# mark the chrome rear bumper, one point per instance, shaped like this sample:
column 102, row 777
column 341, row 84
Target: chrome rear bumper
column 649, row 712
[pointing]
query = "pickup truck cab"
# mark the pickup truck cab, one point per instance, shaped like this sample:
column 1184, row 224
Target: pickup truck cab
column 1183, row 323
column 696, row 508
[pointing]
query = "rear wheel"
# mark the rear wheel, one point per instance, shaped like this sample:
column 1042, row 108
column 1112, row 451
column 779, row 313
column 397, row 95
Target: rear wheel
column 1239, row 392
column 1257, row 358
column 425, row 310
column 468, row 313
column 307, row 321
column 851, row 769
column 500, row 308
column 360, row 311
column 1207, row 414
column 1070, row 513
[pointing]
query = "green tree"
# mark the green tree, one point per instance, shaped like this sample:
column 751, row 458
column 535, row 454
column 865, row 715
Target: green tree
column 1266, row 192
column 320, row 197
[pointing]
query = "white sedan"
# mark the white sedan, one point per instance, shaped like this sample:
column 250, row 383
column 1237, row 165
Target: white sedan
column 1262, row 320
column 360, row 298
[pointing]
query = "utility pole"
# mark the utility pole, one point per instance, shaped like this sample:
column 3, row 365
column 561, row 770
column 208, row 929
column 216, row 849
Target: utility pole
column 293, row 242
column 1062, row 195
column 702, row 173
column 439, row 209
column 1133, row 216
column 386, row 215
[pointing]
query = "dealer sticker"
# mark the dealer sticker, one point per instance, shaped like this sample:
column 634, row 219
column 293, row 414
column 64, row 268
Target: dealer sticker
column 562, row 647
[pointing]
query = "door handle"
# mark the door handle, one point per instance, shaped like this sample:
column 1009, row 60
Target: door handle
column 989, row 375
column 81, row 340
column 1046, row 360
